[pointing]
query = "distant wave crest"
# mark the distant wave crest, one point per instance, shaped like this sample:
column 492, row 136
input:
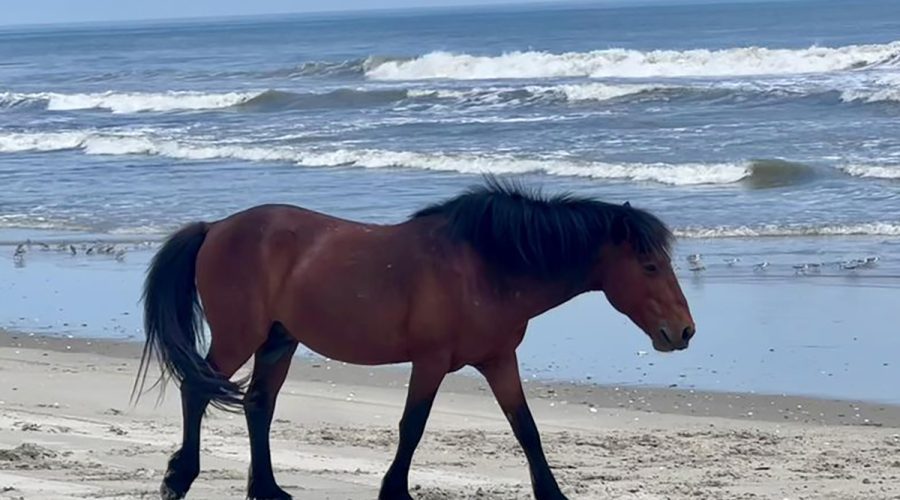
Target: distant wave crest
column 634, row 63
column 875, row 171
column 771, row 230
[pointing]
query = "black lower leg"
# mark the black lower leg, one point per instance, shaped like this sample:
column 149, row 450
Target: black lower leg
column 270, row 369
column 412, row 426
column 184, row 465
column 259, row 410
column 526, row 432
column 423, row 386
column 503, row 376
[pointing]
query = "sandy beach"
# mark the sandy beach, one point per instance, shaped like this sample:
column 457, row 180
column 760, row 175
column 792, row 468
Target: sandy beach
column 67, row 431
column 765, row 135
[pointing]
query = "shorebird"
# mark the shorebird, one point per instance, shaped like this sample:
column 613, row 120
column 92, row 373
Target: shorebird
column 761, row 266
column 730, row 262
column 72, row 250
column 695, row 263
column 870, row 262
column 120, row 255
column 808, row 268
column 19, row 253
column 853, row 264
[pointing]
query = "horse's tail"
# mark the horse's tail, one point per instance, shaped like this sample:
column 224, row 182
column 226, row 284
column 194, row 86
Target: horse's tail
column 173, row 322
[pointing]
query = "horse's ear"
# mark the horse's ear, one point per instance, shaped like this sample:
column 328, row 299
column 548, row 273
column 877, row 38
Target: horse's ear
column 627, row 204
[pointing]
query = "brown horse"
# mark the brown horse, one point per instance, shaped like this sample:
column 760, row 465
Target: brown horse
column 454, row 285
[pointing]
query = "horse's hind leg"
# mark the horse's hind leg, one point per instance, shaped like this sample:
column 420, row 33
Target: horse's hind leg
column 184, row 465
column 269, row 371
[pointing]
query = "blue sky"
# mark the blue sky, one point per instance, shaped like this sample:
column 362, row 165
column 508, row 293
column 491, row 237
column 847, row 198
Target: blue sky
column 73, row 11
column 66, row 11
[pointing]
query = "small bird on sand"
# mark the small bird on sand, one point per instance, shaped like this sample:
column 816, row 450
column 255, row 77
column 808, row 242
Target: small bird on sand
column 761, row 266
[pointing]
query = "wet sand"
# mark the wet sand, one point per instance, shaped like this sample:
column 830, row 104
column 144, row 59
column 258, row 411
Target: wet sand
column 775, row 332
column 67, row 431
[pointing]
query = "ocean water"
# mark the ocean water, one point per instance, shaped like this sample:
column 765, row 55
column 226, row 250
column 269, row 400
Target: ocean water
column 766, row 134
column 762, row 119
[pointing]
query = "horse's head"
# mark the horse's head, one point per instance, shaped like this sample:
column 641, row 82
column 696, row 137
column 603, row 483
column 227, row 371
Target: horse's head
column 643, row 286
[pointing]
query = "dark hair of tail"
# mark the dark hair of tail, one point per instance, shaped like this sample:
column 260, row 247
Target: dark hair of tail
column 173, row 323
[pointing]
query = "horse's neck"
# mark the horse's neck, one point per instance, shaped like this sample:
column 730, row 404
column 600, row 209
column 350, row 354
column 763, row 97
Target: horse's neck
column 531, row 298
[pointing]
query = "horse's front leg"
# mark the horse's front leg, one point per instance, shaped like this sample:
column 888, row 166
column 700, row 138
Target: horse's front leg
column 502, row 374
column 424, row 382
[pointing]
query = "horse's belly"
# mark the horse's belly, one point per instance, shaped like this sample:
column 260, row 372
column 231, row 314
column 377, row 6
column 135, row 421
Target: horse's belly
column 359, row 334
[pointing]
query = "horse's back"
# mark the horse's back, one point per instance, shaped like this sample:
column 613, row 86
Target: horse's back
column 340, row 287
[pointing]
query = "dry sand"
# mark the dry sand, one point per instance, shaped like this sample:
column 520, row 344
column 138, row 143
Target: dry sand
column 67, row 431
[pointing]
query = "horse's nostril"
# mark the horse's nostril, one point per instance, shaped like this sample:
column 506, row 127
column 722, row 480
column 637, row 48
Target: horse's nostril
column 665, row 335
column 688, row 332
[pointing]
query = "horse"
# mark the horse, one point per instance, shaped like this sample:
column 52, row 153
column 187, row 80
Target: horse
column 453, row 285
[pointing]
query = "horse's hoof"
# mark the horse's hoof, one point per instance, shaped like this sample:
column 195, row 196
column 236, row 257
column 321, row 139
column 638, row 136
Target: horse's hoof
column 550, row 495
column 271, row 493
column 167, row 493
column 394, row 495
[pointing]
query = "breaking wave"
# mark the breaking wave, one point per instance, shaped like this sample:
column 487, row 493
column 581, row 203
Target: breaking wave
column 127, row 102
column 759, row 173
column 582, row 92
column 276, row 100
column 594, row 91
column 870, row 96
column 626, row 63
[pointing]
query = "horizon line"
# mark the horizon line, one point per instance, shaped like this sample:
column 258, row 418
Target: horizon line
column 475, row 5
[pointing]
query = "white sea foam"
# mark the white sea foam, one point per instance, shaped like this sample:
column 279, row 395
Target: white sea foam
column 633, row 63
column 599, row 91
column 876, row 171
column 864, row 229
column 129, row 102
column 594, row 91
column 96, row 143
column 32, row 221
column 41, row 141
column 884, row 90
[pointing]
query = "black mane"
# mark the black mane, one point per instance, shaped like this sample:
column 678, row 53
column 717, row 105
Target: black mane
column 521, row 232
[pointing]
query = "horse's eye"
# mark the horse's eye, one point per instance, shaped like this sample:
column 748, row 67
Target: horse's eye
column 651, row 268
